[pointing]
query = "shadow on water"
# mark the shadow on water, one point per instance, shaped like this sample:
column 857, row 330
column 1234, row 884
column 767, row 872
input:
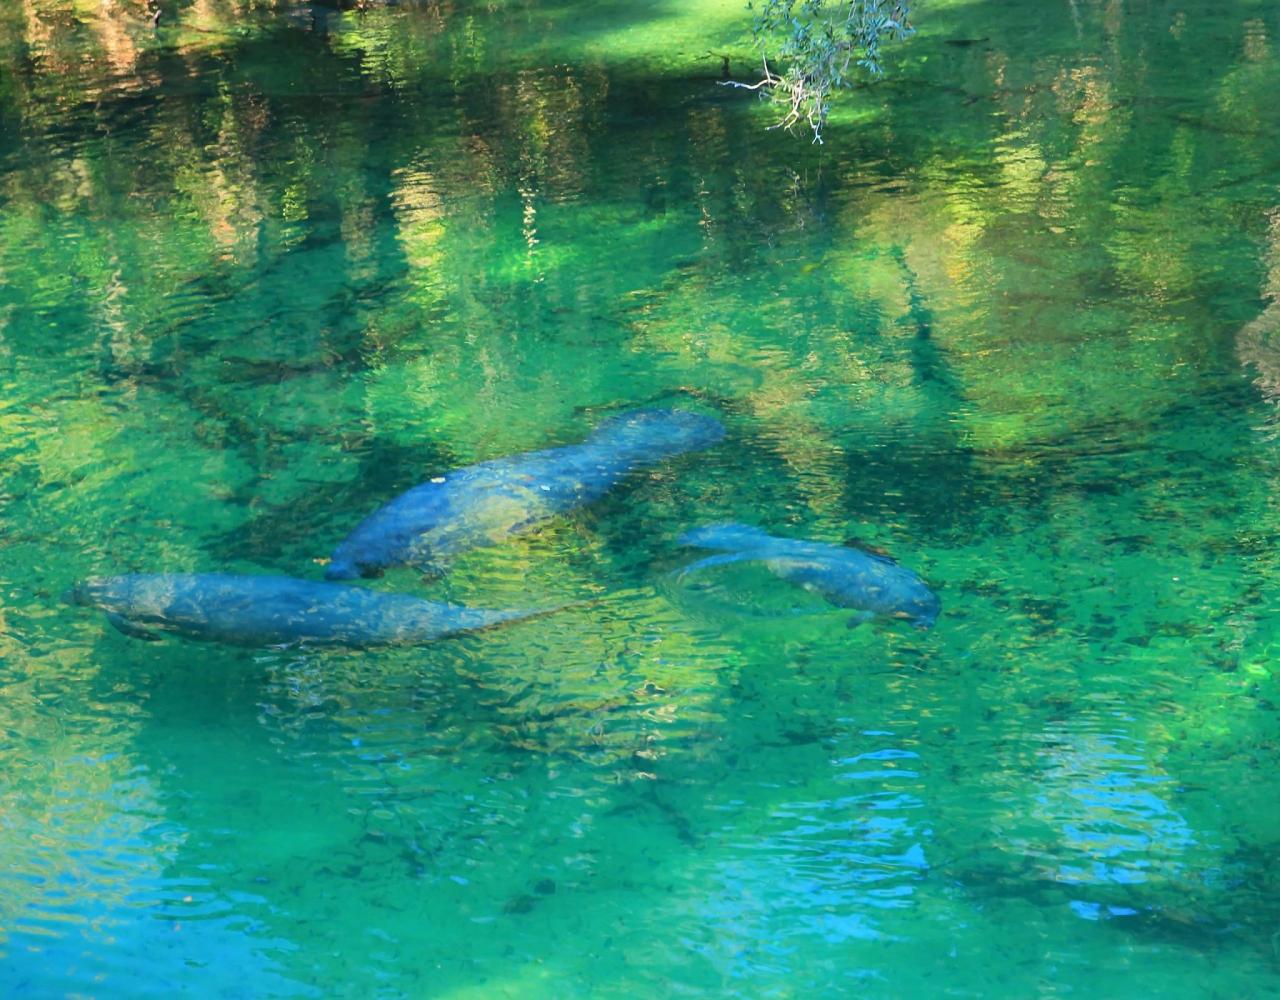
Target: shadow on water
column 1229, row 908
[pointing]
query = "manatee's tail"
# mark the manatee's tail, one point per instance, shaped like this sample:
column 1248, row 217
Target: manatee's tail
column 728, row 537
column 656, row 433
column 473, row 619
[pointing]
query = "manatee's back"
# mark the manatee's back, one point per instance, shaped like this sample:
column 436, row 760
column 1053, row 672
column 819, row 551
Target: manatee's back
column 250, row 610
column 483, row 504
column 462, row 509
column 261, row 610
column 852, row 578
column 199, row 605
column 267, row 610
column 381, row 538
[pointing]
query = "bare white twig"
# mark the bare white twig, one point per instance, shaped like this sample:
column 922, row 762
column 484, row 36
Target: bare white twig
column 769, row 80
column 822, row 42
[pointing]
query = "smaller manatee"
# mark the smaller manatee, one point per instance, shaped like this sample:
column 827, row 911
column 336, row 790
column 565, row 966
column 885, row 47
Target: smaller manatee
column 848, row 578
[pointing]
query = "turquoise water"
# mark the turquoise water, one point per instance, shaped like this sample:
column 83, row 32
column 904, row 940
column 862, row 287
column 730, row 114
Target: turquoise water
column 1013, row 323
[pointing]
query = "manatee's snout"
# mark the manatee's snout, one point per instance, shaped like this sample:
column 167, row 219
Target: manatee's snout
column 928, row 613
column 82, row 593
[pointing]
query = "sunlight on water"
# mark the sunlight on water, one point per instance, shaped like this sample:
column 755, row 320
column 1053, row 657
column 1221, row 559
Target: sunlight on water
column 268, row 265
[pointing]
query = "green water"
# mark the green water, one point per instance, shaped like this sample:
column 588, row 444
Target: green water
column 270, row 265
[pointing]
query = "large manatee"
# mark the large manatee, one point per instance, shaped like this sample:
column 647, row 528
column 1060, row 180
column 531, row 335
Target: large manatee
column 275, row 610
column 847, row 577
column 484, row 503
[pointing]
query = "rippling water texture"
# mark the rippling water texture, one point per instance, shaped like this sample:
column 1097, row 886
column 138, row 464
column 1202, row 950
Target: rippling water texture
column 270, row 264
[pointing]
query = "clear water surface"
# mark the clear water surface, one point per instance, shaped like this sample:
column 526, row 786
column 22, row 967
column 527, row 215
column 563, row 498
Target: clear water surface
column 269, row 264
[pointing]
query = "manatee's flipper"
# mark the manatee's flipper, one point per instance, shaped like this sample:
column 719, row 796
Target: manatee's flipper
column 126, row 627
column 728, row 557
column 430, row 569
column 861, row 618
column 341, row 569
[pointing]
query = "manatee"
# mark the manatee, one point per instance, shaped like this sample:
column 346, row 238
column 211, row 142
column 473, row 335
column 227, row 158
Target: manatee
column 483, row 504
column 275, row 610
column 847, row 577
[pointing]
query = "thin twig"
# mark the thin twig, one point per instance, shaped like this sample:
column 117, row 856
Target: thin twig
column 769, row 80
